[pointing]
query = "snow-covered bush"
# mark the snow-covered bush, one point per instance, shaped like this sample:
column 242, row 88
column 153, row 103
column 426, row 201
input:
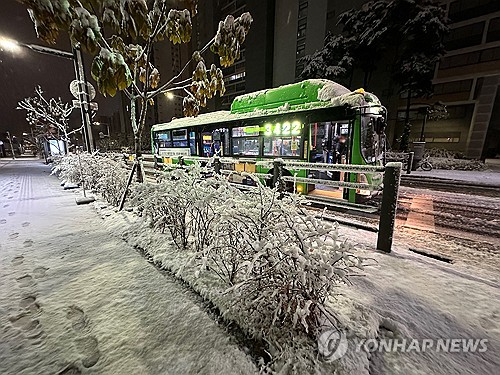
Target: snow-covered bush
column 276, row 263
column 105, row 174
column 457, row 164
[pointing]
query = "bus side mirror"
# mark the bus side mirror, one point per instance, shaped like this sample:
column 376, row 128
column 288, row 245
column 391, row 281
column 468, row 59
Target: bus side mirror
column 380, row 125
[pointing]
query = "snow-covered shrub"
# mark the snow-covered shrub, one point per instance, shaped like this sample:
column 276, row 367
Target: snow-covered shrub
column 105, row 175
column 167, row 205
column 277, row 263
column 440, row 153
column 292, row 261
column 457, row 164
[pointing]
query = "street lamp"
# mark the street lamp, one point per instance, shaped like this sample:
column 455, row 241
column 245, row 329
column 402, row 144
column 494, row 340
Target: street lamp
column 76, row 56
column 436, row 111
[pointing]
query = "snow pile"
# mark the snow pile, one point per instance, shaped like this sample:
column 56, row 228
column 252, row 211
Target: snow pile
column 331, row 90
column 457, row 164
column 339, row 95
column 450, row 160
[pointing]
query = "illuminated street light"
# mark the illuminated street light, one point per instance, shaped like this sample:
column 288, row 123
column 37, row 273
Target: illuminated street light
column 9, row 45
column 169, row 95
column 76, row 56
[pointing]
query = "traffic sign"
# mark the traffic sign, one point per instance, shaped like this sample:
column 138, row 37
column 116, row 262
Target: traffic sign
column 75, row 87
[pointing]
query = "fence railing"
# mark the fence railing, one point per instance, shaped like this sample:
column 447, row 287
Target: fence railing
column 154, row 167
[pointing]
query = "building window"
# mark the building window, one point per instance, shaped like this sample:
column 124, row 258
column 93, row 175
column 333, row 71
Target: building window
column 465, row 36
column 466, row 9
column 453, row 87
column 301, row 31
column 301, row 49
column 490, row 54
column 486, row 55
column 493, row 30
column 460, row 60
column 302, row 9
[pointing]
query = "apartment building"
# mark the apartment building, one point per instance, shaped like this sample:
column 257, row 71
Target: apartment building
column 467, row 80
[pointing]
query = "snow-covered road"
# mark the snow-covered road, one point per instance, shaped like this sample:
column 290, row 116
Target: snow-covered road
column 75, row 300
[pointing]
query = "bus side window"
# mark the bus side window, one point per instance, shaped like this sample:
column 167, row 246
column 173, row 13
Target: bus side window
column 192, row 143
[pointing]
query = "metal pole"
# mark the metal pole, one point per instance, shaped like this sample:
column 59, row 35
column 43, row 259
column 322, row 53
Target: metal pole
column 423, row 125
column 11, row 146
column 392, row 176
column 84, row 106
column 410, row 162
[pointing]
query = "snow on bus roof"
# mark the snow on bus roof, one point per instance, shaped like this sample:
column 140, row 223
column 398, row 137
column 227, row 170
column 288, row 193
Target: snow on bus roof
column 227, row 116
column 330, row 94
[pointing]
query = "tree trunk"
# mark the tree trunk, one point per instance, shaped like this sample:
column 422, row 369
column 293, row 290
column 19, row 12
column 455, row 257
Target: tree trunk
column 138, row 137
column 405, row 138
column 138, row 155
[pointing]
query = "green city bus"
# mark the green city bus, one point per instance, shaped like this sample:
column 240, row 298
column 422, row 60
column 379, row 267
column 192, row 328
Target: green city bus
column 313, row 121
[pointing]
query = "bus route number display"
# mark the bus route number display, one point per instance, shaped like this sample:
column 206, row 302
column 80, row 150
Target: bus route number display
column 283, row 129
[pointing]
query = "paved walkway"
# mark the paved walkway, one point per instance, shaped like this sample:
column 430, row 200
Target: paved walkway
column 73, row 300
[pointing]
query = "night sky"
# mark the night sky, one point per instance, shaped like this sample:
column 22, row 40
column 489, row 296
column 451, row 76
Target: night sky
column 21, row 72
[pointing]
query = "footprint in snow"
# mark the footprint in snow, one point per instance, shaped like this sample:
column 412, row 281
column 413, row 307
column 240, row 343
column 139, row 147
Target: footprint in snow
column 24, row 321
column 29, row 303
column 31, row 327
column 88, row 348
column 78, row 318
column 25, row 224
column 13, row 235
column 12, row 213
column 3, row 221
column 39, row 272
column 18, row 260
column 28, row 243
column 70, row 369
column 25, row 280
column 87, row 345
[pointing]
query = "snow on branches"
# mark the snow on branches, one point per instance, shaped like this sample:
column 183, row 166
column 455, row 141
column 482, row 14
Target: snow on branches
column 100, row 173
column 277, row 262
column 123, row 60
column 51, row 115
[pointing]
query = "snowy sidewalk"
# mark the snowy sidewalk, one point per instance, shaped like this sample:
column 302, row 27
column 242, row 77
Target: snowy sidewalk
column 75, row 300
column 489, row 177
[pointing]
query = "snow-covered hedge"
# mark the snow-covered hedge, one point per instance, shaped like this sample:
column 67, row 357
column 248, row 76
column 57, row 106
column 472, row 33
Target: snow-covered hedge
column 457, row 164
column 104, row 174
column 274, row 263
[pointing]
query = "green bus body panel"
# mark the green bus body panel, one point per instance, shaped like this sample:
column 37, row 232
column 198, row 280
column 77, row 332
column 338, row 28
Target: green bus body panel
column 290, row 95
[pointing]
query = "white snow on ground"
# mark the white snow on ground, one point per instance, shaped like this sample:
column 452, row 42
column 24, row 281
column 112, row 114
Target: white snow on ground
column 487, row 177
column 77, row 300
column 403, row 294
column 96, row 293
column 421, row 298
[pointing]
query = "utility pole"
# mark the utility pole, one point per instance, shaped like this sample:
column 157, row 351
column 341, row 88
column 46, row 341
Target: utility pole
column 11, row 146
column 84, row 98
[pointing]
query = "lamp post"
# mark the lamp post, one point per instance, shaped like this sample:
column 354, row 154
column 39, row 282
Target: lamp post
column 76, row 56
column 11, row 146
column 436, row 111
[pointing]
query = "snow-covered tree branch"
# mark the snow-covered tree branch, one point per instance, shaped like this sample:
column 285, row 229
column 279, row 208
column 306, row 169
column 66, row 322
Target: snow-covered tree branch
column 123, row 60
column 51, row 115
